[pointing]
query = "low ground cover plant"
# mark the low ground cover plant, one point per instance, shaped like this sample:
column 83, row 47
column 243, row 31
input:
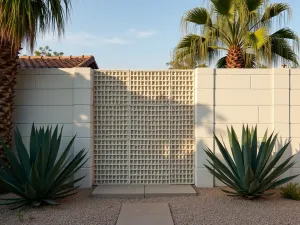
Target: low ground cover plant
column 291, row 191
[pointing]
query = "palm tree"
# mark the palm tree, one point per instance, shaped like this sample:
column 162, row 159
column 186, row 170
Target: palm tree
column 20, row 23
column 240, row 30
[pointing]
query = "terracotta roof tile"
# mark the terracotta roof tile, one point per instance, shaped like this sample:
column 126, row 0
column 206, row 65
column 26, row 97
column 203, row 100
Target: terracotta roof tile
column 57, row 61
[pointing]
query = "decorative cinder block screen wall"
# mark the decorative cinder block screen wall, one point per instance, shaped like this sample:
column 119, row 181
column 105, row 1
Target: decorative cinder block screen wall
column 144, row 127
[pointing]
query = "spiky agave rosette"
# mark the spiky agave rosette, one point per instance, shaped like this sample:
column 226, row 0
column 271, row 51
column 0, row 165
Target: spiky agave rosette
column 250, row 171
column 40, row 175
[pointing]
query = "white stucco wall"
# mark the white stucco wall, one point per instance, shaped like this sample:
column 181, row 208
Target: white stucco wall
column 58, row 96
column 225, row 97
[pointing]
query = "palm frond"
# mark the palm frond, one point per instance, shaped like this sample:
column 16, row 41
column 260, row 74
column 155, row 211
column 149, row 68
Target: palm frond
column 21, row 21
column 274, row 10
column 224, row 7
column 256, row 39
column 253, row 5
column 221, row 63
column 283, row 52
column 285, row 33
column 197, row 16
column 190, row 41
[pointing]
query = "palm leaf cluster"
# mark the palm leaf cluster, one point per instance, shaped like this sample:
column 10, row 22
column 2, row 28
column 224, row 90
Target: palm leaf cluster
column 42, row 174
column 239, row 33
column 251, row 170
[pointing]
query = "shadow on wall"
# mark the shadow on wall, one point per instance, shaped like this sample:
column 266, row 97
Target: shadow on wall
column 142, row 135
column 47, row 97
column 293, row 148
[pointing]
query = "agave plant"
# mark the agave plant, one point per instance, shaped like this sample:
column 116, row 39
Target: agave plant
column 40, row 175
column 251, row 170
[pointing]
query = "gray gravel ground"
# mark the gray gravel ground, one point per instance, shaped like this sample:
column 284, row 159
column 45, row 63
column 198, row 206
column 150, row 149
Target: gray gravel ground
column 211, row 206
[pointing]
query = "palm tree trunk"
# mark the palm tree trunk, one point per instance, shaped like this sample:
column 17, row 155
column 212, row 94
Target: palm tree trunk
column 235, row 58
column 8, row 69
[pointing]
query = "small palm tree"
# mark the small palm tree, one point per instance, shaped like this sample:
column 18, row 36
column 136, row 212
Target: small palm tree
column 239, row 29
column 20, row 23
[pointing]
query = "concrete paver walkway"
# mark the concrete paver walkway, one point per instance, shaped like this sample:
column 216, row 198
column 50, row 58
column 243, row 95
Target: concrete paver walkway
column 145, row 214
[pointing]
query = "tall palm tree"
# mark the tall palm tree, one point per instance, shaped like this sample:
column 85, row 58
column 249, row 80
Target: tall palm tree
column 20, row 23
column 240, row 30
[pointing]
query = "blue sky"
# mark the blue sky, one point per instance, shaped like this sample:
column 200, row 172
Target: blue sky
column 131, row 34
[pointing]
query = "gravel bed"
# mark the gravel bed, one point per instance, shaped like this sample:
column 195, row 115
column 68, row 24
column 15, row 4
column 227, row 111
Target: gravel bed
column 211, row 206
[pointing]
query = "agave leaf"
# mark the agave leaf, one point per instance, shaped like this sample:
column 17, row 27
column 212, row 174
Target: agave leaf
column 10, row 183
column 54, row 152
column 67, row 191
column 36, row 203
column 66, row 185
column 230, row 192
column 7, row 169
column 220, row 177
column 267, row 170
column 11, row 202
column 282, row 181
column 17, row 168
column 253, row 186
column 276, row 173
column 70, row 168
column 263, row 156
column 246, row 148
column 226, row 156
column 66, row 173
column 22, row 152
column 30, row 192
column 224, row 176
column 11, row 198
column 44, row 152
column 248, row 178
column 50, row 201
column 35, row 181
column 34, row 145
column 234, row 195
column 237, row 153
column 262, row 145
column 75, row 170
column 54, row 171
column 9, row 179
column 254, row 149
column 41, row 134
column 269, row 152
column 218, row 164
column 20, row 205
column 40, row 163
column 67, row 195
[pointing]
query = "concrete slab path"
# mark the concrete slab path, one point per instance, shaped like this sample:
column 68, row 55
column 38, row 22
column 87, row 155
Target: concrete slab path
column 168, row 190
column 145, row 214
column 119, row 191
column 141, row 191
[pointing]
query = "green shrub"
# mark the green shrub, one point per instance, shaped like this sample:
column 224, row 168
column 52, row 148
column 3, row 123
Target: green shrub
column 291, row 191
column 39, row 176
column 250, row 170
